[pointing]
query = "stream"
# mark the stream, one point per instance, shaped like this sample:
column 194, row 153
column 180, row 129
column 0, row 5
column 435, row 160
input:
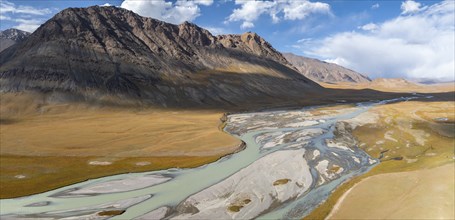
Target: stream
column 293, row 160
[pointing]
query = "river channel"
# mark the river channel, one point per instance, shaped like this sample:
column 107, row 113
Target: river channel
column 293, row 160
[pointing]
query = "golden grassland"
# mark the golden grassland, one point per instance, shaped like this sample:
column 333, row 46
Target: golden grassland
column 45, row 146
column 410, row 137
column 393, row 85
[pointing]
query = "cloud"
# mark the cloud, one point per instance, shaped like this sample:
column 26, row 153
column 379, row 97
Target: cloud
column 298, row 10
column 246, row 25
column 23, row 17
column 338, row 61
column 29, row 25
column 204, row 2
column 303, row 40
column 250, row 10
column 375, row 6
column 410, row 6
column 178, row 12
column 106, row 5
column 216, row 30
column 418, row 45
column 369, row 27
column 9, row 7
column 5, row 18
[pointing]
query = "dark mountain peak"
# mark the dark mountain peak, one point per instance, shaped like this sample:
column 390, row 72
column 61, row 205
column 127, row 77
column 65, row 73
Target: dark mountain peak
column 253, row 43
column 14, row 34
column 187, row 23
column 11, row 36
column 251, row 35
column 196, row 35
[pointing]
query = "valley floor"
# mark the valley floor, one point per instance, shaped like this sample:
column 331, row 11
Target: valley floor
column 49, row 146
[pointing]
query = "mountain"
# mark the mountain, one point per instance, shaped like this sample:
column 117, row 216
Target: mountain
column 108, row 51
column 321, row 71
column 11, row 36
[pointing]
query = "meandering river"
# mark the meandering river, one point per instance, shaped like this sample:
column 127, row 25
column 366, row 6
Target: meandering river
column 292, row 162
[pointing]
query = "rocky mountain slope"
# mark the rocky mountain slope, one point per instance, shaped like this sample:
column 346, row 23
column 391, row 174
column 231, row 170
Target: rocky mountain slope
column 11, row 36
column 324, row 72
column 98, row 51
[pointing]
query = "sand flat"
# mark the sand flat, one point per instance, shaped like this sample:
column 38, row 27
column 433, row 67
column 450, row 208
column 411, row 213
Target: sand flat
column 422, row 194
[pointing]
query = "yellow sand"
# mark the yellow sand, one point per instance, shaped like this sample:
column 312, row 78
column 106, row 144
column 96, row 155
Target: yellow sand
column 422, row 194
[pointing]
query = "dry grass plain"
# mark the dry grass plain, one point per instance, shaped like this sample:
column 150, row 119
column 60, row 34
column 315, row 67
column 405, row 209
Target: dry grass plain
column 413, row 135
column 394, row 85
column 46, row 146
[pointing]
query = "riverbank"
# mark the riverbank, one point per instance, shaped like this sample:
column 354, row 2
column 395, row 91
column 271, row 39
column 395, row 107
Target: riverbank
column 409, row 135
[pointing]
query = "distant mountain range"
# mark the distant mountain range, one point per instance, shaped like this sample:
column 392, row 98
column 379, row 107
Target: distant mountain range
column 11, row 36
column 321, row 71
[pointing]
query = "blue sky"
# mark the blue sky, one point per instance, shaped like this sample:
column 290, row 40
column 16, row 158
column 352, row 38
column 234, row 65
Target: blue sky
column 411, row 39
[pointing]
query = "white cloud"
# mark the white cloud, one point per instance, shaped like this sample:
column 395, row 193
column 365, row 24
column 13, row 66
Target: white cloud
column 369, row 27
column 178, row 12
column 29, row 25
column 375, row 6
column 106, row 5
column 23, row 17
column 338, row 61
column 246, row 25
column 418, row 45
column 216, row 30
column 304, row 40
column 298, row 10
column 9, row 7
column 250, row 10
column 204, row 2
column 410, row 6
column 5, row 18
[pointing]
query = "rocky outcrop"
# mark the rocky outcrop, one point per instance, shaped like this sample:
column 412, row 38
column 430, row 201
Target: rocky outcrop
column 96, row 51
column 321, row 71
column 254, row 44
column 11, row 36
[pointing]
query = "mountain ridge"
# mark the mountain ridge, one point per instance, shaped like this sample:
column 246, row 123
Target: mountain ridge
column 109, row 50
column 11, row 36
column 321, row 71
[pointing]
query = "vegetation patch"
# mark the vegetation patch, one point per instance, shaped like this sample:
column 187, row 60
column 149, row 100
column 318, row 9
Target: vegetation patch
column 281, row 182
column 110, row 212
column 334, row 169
column 235, row 208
